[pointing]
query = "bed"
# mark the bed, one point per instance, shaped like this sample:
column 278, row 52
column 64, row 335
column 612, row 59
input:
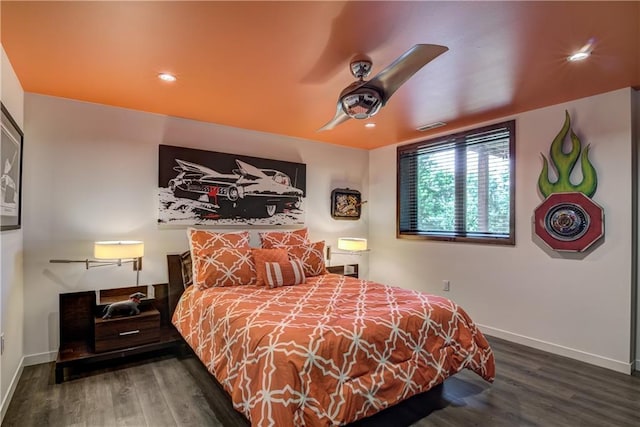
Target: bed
column 329, row 351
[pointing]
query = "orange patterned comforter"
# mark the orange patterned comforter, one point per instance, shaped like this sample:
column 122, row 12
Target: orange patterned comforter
column 330, row 351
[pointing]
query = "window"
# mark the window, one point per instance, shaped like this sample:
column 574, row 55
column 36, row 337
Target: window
column 459, row 187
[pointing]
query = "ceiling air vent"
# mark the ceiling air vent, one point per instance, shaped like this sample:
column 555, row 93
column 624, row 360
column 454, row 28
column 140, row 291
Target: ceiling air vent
column 430, row 126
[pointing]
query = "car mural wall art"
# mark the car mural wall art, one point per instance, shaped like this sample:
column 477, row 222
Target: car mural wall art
column 198, row 187
column 568, row 219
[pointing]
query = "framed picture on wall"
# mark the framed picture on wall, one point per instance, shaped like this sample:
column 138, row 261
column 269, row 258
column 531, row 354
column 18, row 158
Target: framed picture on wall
column 345, row 203
column 199, row 187
column 11, row 179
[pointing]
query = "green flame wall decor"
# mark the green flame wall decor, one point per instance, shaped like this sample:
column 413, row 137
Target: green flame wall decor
column 563, row 164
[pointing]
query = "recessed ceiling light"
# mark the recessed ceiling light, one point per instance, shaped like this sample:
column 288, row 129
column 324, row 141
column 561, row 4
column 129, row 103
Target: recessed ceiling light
column 578, row 56
column 167, row 77
column 584, row 52
column 369, row 125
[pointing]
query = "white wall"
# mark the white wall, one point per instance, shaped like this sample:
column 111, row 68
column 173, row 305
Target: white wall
column 576, row 307
column 92, row 173
column 11, row 295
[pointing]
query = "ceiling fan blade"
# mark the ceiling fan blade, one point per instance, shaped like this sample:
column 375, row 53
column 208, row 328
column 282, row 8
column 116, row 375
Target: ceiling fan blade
column 340, row 117
column 392, row 77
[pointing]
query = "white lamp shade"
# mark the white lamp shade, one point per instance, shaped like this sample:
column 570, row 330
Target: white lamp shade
column 123, row 249
column 352, row 244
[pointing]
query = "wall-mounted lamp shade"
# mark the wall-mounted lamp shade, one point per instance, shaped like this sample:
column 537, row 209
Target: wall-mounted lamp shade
column 352, row 244
column 124, row 249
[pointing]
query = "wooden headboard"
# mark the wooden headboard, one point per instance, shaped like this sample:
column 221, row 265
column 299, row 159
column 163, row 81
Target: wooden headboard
column 176, row 285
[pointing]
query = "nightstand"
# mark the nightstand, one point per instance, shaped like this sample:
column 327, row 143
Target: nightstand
column 86, row 338
column 350, row 270
column 127, row 331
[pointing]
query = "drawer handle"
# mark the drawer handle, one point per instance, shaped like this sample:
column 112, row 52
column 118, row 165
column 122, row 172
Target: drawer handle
column 137, row 331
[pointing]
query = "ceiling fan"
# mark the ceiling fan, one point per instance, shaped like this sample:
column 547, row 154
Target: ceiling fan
column 363, row 99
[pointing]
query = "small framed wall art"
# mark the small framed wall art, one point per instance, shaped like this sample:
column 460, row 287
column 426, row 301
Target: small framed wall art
column 11, row 180
column 345, row 204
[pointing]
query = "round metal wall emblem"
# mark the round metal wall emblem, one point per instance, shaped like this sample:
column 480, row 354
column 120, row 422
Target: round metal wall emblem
column 567, row 221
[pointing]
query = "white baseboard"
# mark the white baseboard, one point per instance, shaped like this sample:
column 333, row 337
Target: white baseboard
column 6, row 400
column 37, row 359
column 593, row 359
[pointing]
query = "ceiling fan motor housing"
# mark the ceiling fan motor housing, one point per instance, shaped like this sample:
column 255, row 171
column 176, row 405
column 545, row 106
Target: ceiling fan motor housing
column 360, row 68
column 361, row 103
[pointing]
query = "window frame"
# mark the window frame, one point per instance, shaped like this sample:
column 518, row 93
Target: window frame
column 457, row 139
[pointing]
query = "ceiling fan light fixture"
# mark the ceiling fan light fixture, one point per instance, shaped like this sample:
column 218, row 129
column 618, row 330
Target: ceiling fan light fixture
column 361, row 104
column 363, row 99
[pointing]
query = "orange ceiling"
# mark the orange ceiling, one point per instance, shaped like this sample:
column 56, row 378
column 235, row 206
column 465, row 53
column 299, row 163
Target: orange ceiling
column 279, row 66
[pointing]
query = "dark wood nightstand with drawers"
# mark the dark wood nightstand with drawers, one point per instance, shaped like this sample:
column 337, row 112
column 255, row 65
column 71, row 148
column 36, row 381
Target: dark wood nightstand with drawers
column 129, row 331
column 85, row 337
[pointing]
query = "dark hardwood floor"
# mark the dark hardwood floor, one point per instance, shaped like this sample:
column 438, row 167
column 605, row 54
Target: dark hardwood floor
column 532, row 388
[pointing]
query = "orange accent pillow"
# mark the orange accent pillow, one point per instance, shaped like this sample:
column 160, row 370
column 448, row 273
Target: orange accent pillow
column 224, row 267
column 205, row 239
column 262, row 256
column 212, row 267
column 312, row 257
column 273, row 239
column 284, row 273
